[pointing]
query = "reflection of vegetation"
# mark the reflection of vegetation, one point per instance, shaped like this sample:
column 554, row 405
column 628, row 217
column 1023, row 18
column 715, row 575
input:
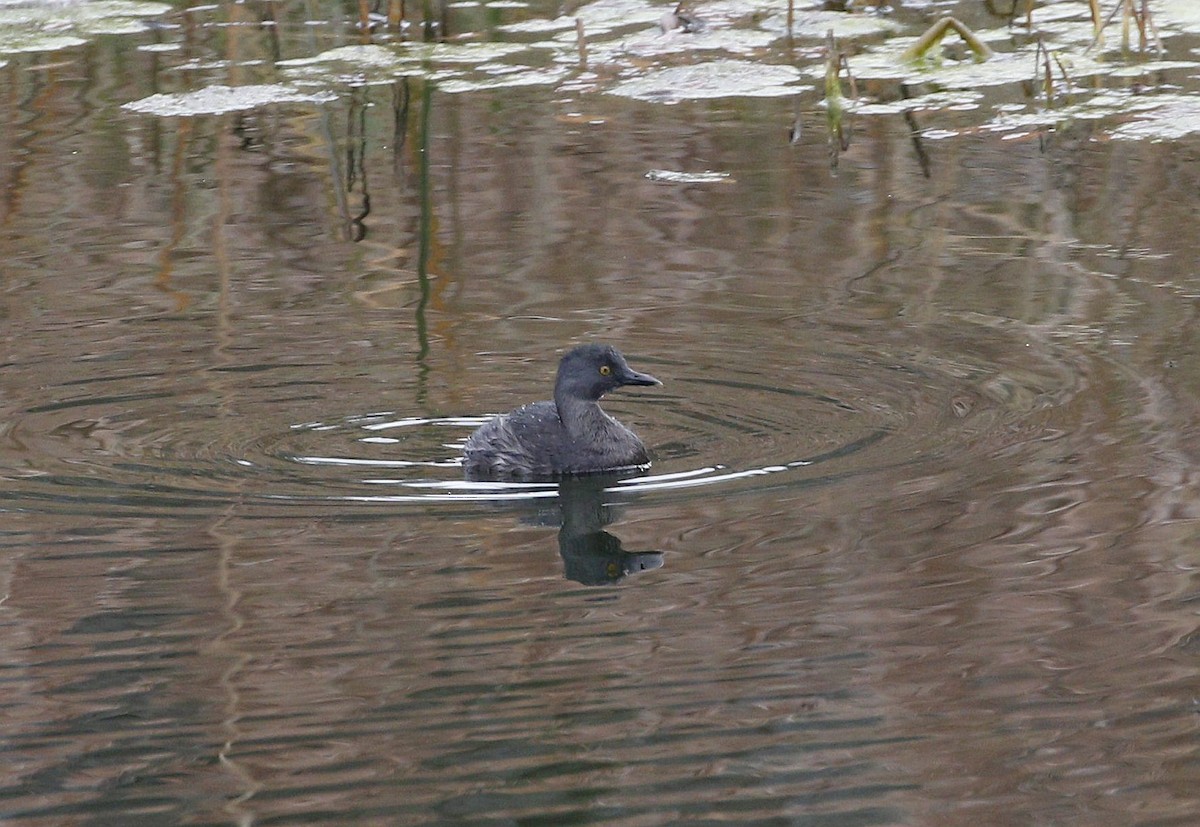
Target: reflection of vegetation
column 369, row 18
column 424, row 238
column 1047, row 55
column 1042, row 57
column 1131, row 15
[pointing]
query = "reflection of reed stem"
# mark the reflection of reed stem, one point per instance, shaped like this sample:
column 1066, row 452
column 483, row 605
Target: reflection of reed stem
column 1139, row 15
column 1146, row 22
column 356, row 164
column 581, row 42
column 364, row 20
column 1126, row 16
column 436, row 24
column 1041, row 66
column 1097, row 24
column 424, row 239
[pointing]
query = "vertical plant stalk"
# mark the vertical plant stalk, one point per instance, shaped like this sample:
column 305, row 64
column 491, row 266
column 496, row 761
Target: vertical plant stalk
column 1139, row 15
column 1066, row 77
column 1041, row 65
column 1097, row 24
column 833, row 82
column 839, row 140
column 1146, row 23
column 844, row 63
column 1126, row 18
column 1093, row 6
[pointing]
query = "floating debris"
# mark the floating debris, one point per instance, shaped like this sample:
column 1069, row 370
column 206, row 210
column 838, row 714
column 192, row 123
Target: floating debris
column 1171, row 117
column 50, row 27
column 513, row 77
column 362, row 56
column 671, row 176
column 217, row 100
column 715, row 79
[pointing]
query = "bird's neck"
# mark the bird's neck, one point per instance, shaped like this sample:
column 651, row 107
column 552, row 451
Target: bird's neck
column 580, row 417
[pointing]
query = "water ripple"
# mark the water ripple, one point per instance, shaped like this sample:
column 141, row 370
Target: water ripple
column 737, row 428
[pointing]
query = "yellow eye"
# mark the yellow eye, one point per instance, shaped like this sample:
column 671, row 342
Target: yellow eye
column 605, row 370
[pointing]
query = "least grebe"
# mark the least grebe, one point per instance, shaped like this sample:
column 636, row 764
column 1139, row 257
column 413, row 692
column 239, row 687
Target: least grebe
column 570, row 435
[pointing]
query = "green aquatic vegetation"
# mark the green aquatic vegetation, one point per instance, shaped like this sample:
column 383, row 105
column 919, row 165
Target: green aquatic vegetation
column 1059, row 76
column 936, row 33
column 1003, row 68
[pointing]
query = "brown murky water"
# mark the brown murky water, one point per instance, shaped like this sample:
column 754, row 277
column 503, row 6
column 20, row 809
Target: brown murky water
column 919, row 546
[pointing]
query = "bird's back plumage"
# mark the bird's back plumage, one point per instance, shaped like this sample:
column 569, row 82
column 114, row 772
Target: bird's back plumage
column 566, row 436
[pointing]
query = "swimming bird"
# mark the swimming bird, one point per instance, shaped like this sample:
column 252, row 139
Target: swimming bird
column 569, row 435
column 683, row 19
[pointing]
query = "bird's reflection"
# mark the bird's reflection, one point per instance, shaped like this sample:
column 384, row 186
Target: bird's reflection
column 590, row 554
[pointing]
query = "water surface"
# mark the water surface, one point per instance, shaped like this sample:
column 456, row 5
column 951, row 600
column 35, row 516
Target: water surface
column 918, row 547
